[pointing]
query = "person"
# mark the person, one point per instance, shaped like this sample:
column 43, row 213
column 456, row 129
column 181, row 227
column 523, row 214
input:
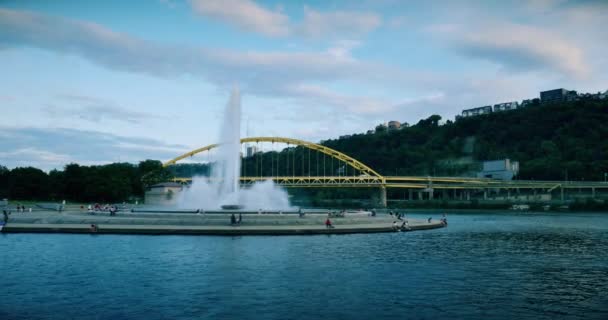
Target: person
column 300, row 213
column 395, row 225
column 5, row 214
column 430, row 218
column 328, row 224
column 232, row 219
column 406, row 225
column 373, row 212
column 240, row 218
column 390, row 212
column 93, row 228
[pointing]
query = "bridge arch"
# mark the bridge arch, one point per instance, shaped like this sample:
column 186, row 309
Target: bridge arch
column 354, row 163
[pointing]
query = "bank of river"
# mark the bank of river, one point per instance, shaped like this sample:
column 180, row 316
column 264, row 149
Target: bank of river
column 482, row 266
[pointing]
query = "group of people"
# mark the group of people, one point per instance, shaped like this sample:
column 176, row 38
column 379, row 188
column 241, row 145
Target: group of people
column 112, row 209
column 21, row 208
column 397, row 215
column 234, row 220
column 403, row 226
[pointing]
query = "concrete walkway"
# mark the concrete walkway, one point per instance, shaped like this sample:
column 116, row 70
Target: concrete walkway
column 209, row 224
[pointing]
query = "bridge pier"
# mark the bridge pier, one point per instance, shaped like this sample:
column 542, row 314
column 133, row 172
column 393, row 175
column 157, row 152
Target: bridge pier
column 383, row 202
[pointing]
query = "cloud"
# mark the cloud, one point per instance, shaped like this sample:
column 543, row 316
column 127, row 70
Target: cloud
column 272, row 74
column 245, row 14
column 248, row 16
column 337, row 23
column 126, row 53
column 94, row 110
column 517, row 47
column 54, row 148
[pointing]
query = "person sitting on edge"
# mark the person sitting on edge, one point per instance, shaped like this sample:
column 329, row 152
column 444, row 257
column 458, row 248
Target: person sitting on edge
column 328, row 224
column 395, row 225
column 232, row 219
column 93, row 228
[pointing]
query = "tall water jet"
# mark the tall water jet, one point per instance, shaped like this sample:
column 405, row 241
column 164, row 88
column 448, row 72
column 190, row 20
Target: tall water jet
column 228, row 166
column 222, row 188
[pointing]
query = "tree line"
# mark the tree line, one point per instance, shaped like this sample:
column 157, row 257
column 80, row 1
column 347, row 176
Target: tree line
column 116, row 182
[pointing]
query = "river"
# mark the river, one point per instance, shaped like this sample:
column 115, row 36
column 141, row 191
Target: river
column 483, row 265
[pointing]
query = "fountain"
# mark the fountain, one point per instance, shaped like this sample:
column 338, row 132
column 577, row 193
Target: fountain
column 222, row 189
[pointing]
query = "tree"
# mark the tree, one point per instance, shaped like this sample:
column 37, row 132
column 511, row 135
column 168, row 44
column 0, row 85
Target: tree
column 28, row 184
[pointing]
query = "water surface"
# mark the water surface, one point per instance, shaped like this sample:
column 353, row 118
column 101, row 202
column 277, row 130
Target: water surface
column 484, row 265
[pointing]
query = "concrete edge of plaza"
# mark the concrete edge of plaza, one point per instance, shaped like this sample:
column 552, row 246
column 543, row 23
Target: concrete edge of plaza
column 50, row 222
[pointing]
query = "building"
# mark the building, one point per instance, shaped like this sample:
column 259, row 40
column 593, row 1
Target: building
column 506, row 106
column 251, row 150
column 558, row 95
column 499, row 169
column 529, row 102
column 476, row 111
column 394, row 125
column 163, row 194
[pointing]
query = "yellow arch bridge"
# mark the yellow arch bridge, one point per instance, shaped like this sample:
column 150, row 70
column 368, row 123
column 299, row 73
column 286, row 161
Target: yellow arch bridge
column 300, row 169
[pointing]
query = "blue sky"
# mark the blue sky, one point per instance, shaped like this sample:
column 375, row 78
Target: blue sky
column 102, row 81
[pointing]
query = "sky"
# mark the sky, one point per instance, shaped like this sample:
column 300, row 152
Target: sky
column 95, row 82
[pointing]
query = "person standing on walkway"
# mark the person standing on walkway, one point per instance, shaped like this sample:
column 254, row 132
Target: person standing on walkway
column 232, row 219
column 240, row 218
column 5, row 214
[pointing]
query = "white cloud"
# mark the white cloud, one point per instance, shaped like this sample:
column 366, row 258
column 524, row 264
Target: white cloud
column 518, row 47
column 94, row 110
column 56, row 147
column 245, row 14
column 337, row 23
column 126, row 53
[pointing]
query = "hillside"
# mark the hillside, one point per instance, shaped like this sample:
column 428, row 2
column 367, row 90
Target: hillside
column 549, row 141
